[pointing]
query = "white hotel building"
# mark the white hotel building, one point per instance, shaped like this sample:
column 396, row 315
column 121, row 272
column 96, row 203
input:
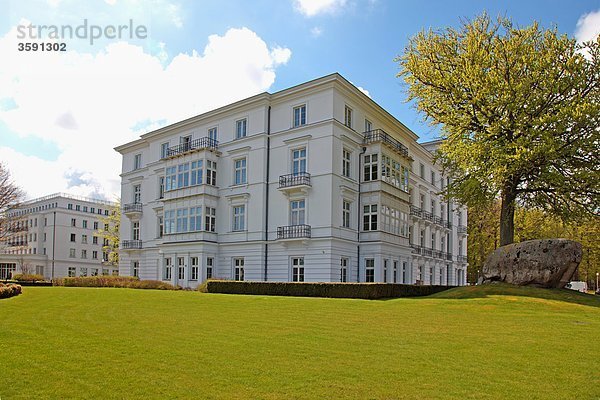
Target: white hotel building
column 55, row 236
column 314, row 183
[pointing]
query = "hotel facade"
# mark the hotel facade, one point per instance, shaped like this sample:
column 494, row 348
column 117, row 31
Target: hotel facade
column 56, row 236
column 314, row 183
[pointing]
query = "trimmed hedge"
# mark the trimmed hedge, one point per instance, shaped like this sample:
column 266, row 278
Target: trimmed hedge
column 323, row 289
column 28, row 277
column 113, row 281
column 9, row 290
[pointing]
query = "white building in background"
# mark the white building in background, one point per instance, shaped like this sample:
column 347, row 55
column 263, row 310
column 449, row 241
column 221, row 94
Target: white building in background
column 312, row 183
column 55, row 236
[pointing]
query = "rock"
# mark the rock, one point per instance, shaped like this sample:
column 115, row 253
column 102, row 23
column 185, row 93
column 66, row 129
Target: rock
column 549, row 263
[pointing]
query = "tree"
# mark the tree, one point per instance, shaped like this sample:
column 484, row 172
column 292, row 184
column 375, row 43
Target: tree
column 10, row 196
column 519, row 109
column 109, row 231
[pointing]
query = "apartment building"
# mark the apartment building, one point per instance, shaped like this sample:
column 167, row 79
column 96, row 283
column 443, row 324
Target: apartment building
column 55, row 236
column 312, row 183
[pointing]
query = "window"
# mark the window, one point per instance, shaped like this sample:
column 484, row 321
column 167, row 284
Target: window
column 169, row 221
column 385, row 270
column 44, row 236
column 84, row 239
column 164, row 150
column 211, row 172
column 299, row 161
column 297, row 212
column 239, row 217
column 70, row 206
column 422, row 202
column 298, row 269
column 238, row 265
column 167, row 270
column 433, row 241
column 343, row 269
column 197, row 172
column 84, row 210
column 160, row 226
column 77, row 207
column 83, row 271
column 194, row 268
column 368, row 125
column 72, row 237
column 104, row 271
column 161, row 187
column 45, row 221
column 195, row 219
column 370, row 217
column 348, row 117
column 95, row 225
column 84, row 224
column 99, row 211
column 83, row 253
column 183, row 175
column 346, row 214
column 73, row 222
column 212, row 135
column 210, row 219
column 300, row 115
column 460, row 247
column 422, row 238
column 95, row 254
column 239, row 171
column 72, row 271
column 135, row 231
column 171, row 178
column 240, row 128
column 92, row 210
column 370, row 270
column 185, row 142
column 422, row 170
column 433, row 207
column 180, row 268
column 395, row 272
column 370, row 168
column 209, row 267
column 105, row 227
column 346, row 159
column 137, row 194
column 433, row 178
column 182, row 220
column 137, row 161
column 404, row 272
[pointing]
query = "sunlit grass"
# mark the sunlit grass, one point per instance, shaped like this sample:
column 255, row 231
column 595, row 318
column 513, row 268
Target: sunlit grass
column 468, row 343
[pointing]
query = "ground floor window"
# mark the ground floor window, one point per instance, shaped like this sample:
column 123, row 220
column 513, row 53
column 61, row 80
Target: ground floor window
column 209, row 267
column 385, row 271
column 94, row 271
column 395, row 272
column 104, row 271
column 370, row 270
column 238, row 265
column 180, row 268
column 298, row 269
column 344, row 270
column 72, row 271
column 135, row 269
column 404, row 272
column 83, row 271
column 167, row 270
column 431, row 281
column 194, row 268
column 39, row 270
column 7, row 269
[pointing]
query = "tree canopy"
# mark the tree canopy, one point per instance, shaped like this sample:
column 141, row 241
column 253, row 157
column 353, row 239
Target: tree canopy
column 519, row 112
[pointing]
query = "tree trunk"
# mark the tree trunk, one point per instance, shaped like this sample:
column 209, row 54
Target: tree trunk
column 507, row 216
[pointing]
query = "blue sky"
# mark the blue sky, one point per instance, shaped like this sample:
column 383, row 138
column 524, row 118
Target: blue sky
column 197, row 56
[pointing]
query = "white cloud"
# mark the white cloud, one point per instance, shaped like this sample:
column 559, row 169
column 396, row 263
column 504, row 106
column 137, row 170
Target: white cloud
column 365, row 91
column 89, row 103
column 588, row 26
column 316, row 31
column 310, row 8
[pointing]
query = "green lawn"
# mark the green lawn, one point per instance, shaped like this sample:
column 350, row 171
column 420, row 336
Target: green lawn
column 467, row 343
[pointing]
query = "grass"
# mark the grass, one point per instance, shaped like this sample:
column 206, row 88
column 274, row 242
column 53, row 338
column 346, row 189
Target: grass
column 493, row 342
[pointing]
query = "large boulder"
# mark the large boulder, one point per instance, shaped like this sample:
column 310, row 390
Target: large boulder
column 548, row 263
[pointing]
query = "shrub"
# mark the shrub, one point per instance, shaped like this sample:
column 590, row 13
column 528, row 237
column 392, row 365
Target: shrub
column 323, row 289
column 113, row 281
column 28, row 277
column 9, row 290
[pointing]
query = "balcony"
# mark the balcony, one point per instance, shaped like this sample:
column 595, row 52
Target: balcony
column 427, row 216
column 132, row 210
column 462, row 229
column 18, row 228
column 295, row 182
column 416, row 211
column 429, row 252
column 461, row 259
column 380, row 136
column 294, row 232
column 204, row 143
column 131, row 244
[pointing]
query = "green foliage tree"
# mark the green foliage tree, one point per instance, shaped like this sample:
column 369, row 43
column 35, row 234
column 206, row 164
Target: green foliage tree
column 10, row 196
column 519, row 109
column 109, row 230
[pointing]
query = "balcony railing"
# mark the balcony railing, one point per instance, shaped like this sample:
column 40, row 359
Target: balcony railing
column 132, row 208
column 427, row 215
column 298, row 179
column 429, row 252
column 379, row 135
column 414, row 210
column 462, row 229
column 19, row 228
column 461, row 259
column 16, row 243
column 293, row 232
column 196, row 144
column 131, row 244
